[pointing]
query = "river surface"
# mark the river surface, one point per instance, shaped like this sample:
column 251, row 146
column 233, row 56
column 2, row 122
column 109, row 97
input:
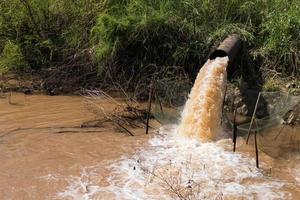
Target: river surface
column 44, row 155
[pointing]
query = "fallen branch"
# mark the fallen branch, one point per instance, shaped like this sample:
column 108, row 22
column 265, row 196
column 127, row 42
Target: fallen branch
column 126, row 114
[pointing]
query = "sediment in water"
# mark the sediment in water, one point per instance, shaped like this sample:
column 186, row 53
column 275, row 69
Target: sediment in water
column 201, row 115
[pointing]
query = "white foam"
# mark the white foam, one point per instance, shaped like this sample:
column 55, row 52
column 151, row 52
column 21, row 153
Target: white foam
column 295, row 170
column 206, row 168
column 82, row 187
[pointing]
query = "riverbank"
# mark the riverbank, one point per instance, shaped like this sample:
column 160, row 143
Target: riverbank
column 91, row 44
column 237, row 92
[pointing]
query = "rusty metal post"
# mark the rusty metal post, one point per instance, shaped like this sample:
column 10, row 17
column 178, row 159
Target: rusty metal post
column 256, row 149
column 149, row 107
column 234, row 130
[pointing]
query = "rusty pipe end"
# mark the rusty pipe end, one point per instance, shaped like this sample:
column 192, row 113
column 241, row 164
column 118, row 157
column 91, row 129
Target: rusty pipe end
column 230, row 47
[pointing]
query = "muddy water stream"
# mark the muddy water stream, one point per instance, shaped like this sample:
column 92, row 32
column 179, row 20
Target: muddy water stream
column 44, row 156
column 39, row 160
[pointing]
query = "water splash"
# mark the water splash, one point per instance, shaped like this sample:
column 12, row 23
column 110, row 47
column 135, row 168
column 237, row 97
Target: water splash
column 201, row 115
column 175, row 167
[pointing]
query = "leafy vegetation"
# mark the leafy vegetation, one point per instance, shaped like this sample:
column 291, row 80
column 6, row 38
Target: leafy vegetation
column 47, row 31
column 271, row 85
column 129, row 39
column 12, row 58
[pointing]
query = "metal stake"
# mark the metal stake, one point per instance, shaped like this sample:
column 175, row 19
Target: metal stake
column 256, row 149
column 149, row 107
column 234, row 130
column 252, row 119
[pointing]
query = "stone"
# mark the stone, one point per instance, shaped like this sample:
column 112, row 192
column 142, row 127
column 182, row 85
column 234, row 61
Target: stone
column 290, row 85
column 242, row 110
column 27, row 91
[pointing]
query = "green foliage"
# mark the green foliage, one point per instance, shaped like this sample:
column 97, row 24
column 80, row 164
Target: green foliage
column 48, row 31
column 271, row 85
column 165, row 32
column 182, row 32
column 129, row 35
column 279, row 36
column 12, row 58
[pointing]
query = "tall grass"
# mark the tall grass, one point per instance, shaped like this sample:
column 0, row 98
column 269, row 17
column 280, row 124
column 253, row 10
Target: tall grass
column 279, row 44
column 12, row 58
column 166, row 32
column 129, row 38
column 177, row 32
column 48, row 31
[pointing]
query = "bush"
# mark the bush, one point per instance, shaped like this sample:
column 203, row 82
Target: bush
column 178, row 32
column 48, row 31
column 271, row 85
column 129, row 39
column 165, row 32
column 279, row 36
column 12, row 58
column 138, row 37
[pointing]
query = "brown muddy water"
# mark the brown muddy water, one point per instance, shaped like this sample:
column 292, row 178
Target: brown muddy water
column 38, row 160
column 45, row 156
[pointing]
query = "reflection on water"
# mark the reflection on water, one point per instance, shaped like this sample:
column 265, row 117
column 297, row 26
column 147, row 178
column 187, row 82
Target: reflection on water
column 64, row 162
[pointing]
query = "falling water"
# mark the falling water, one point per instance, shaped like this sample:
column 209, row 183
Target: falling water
column 201, row 115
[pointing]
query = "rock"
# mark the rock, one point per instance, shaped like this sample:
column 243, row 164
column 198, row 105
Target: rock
column 238, row 102
column 27, row 91
column 236, row 92
column 242, row 110
column 290, row 85
column 54, row 92
column 42, row 85
column 294, row 91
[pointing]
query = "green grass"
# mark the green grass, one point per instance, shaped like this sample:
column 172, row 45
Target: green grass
column 271, row 85
column 173, row 32
column 12, row 58
column 126, row 37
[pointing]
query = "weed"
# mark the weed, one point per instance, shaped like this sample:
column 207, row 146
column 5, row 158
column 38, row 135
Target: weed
column 271, row 85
